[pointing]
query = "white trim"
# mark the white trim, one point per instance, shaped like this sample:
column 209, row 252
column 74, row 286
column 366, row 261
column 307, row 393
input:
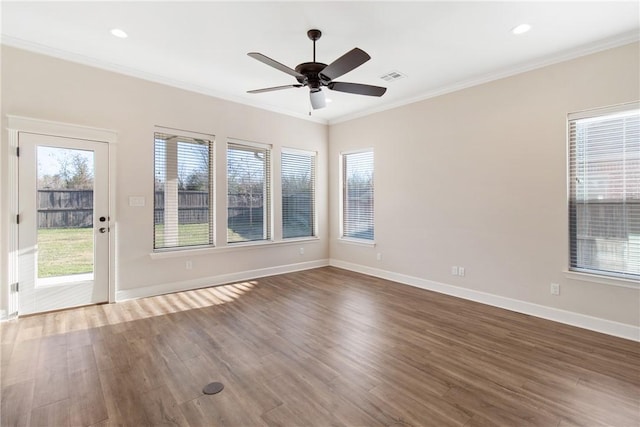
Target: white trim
column 48, row 127
column 17, row 124
column 342, row 184
column 314, row 166
column 357, row 242
column 298, row 151
column 222, row 279
column 63, row 281
column 13, row 247
column 185, row 133
column 249, row 144
column 231, row 247
column 602, row 280
column 359, row 150
column 113, row 224
column 605, row 326
column 602, row 45
column 127, row 71
column 604, row 111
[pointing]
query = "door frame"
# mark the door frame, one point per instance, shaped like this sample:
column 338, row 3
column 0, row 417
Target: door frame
column 17, row 125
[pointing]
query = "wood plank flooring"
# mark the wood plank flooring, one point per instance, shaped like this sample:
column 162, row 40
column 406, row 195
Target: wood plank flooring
column 314, row 348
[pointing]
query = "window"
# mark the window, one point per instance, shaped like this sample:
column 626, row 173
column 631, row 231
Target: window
column 357, row 195
column 248, row 192
column 298, row 193
column 183, row 191
column 604, row 186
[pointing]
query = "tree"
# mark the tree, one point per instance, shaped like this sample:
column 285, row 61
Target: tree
column 74, row 172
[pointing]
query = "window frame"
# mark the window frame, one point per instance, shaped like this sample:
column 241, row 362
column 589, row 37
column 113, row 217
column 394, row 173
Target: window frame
column 158, row 130
column 576, row 272
column 341, row 204
column 268, row 228
column 314, row 177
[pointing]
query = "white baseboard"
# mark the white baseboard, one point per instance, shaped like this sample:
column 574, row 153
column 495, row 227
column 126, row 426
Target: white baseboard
column 609, row 327
column 205, row 282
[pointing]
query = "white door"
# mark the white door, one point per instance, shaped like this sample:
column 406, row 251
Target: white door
column 63, row 232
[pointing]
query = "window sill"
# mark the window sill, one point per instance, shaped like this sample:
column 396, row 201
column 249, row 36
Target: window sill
column 603, row 280
column 357, row 242
column 230, row 247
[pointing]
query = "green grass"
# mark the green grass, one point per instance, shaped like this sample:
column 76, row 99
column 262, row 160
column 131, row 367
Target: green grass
column 188, row 234
column 64, row 251
column 197, row 234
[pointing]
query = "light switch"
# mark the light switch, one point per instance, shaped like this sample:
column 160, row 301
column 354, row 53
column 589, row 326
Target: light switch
column 136, row 201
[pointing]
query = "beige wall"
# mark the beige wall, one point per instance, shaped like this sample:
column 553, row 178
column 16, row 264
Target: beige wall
column 42, row 87
column 477, row 178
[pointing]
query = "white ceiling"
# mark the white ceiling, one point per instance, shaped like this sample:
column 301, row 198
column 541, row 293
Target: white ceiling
column 203, row 46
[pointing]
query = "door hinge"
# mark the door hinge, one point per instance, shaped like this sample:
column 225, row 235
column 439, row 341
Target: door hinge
column 15, row 287
column 18, row 151
column 18, row 219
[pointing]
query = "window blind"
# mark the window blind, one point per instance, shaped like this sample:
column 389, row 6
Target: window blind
column 248, row 192
column 604, row 192
column 298, row 194
column 357, row 195
column 183, row 184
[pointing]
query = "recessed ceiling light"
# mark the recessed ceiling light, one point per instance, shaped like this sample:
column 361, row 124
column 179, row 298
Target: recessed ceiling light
column 119, row 33
column 521, row 29
column 328, row 100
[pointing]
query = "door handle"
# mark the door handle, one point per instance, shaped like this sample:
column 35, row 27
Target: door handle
column 102, row 229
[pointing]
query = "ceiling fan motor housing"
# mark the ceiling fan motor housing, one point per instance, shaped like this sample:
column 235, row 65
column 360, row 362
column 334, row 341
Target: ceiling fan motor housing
column 314, row 74
column 311, row 72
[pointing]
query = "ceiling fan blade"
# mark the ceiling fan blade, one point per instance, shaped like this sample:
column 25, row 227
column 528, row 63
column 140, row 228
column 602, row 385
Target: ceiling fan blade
column 275, row 64
column 317, row 99
column 270, row 89
column 347, row 62
column 357, row 88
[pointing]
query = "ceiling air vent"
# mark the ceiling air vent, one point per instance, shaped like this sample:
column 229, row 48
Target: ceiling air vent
column 393, row 76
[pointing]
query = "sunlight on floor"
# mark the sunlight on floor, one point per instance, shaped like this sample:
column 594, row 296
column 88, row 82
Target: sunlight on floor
column 85, row 318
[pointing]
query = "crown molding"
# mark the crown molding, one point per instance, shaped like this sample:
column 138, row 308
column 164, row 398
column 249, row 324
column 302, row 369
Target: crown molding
column 131, row 72
column 566, row 55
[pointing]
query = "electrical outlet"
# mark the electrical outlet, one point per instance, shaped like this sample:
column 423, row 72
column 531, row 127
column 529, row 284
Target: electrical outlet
column 555, row 289
column 189, row 265
column 379, row 256
column 461, row 271
column 454, row 271
column 301, row 251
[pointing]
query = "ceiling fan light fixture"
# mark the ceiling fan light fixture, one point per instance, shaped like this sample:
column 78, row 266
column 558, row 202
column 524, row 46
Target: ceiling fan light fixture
column 521, row 29
column 316, row 75
column 317, row 99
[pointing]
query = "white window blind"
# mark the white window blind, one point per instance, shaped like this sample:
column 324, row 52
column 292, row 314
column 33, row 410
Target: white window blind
column 183, row 184
column 248, row 192
column 298, row 194
column 604, row 186
column 357, row 195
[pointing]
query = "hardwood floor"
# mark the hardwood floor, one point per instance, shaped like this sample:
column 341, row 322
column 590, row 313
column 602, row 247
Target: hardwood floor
column 313, row 348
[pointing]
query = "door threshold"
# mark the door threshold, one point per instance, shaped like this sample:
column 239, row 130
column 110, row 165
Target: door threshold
column 23, row 316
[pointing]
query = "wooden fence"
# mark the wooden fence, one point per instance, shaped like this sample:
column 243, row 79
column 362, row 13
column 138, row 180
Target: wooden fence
column 65, row 208
column 73, row 208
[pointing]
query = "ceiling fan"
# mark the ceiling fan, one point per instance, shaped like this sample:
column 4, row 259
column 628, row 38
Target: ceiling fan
column 315, row 75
